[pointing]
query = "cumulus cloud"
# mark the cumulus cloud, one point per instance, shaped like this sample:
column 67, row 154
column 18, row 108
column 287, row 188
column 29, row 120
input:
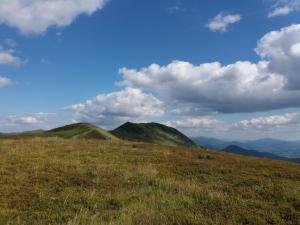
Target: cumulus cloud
column 282, row 50
column 270, row 121
column 295, row 50
column 36, row 16
column 222, row 21
column 202, row 123
column 284, row 7
column 198, row 89
column 31, row 119
column 8, row 58
column 280, row 125
column 117, row 107
column 4, row 81
column 243, row 86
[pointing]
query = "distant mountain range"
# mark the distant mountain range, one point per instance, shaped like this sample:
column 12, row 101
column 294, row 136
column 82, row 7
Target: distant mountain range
column 143, row 132
column 241, row 151
column 287, row 149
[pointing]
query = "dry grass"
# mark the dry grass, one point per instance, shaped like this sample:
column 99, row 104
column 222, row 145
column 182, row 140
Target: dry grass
column 56, row 181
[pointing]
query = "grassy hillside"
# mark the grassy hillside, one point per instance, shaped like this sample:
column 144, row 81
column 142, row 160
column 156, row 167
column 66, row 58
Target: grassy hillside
column 74, row 131
column 60, row 181
column 29, row 134
column 152, row 133
column 82, row 130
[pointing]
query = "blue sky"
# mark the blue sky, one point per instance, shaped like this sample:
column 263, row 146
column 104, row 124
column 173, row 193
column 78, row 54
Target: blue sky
column 63, row 58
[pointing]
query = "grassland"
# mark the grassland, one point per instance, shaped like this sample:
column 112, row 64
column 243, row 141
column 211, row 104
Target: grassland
column 59, row 181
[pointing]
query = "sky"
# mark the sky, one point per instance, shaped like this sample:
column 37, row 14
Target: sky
column 224, row 69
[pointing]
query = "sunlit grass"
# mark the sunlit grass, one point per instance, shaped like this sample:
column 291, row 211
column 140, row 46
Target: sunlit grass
column 56, row 181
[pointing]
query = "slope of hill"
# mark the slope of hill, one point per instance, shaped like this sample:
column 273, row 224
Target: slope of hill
column 241, row 151
column 152, row 133
column 75, row 131
column 77, row 181
column 26, row 134
column 82, row 130
column 288, row 149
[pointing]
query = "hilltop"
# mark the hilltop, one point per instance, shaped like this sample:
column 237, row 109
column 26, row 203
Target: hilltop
column 154, row 133
column 82, row 131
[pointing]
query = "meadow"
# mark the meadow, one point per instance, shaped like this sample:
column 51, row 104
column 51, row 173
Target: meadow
column 57, row 181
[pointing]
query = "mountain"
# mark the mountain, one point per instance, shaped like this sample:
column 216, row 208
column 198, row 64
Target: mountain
column 288, row 149
column 73, row 131
column 152, row 133
column 241, row 151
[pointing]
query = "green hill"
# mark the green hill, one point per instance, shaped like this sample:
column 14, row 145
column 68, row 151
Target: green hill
column 144, row 132
column 20, row 135
column 73, row 131
column 81, row 131
column 152, row 133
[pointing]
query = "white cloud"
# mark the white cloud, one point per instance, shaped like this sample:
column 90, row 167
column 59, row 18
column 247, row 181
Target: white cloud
column 197, row 123
column 281, row 11
column 278, row 126
column 281, row 49
column 295, row 50
column 8, row 53
column 283, row 7
column 239, row 87
column 221, row 22
column 31, row 119
column 36, row 16
column 4, row 81
column 117, row 107
column 270, row 121
column 197, row 89
column 200, row 126
column 7, row 58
